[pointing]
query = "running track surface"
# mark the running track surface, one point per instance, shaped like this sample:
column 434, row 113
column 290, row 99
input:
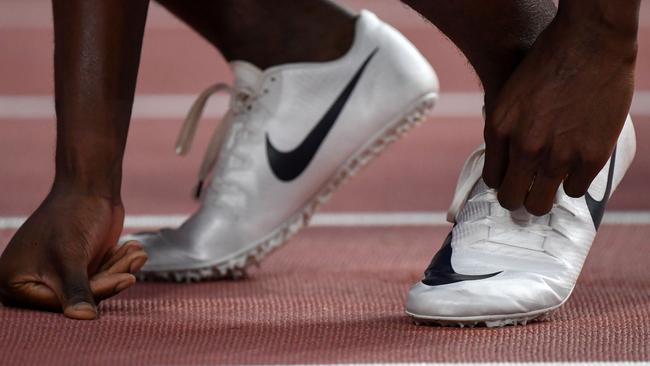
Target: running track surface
column 334, row 294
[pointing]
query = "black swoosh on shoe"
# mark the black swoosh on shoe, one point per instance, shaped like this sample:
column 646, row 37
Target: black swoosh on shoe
column 597, row 208
column 441, row 272
column 288, row 165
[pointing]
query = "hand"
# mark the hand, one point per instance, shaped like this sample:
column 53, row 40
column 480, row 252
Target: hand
column 64, row 257
column 558, row 117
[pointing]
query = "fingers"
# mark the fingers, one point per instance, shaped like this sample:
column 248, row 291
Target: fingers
column 75, row 295
column 579, row 180
column 523, row 167
column 131, row 262
column 496, row 155
column 554, row 168
column 107, row 286
column 118, row 252
column 116, row 274
column 517, row 180
column 38, row 295
column 70, row 290
column 541, row 196
column 30, row 294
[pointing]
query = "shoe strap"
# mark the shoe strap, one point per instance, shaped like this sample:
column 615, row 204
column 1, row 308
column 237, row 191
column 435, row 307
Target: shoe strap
column 469, row 175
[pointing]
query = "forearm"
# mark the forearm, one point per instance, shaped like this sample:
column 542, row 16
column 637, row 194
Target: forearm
column 97, row 51
column 618, row 19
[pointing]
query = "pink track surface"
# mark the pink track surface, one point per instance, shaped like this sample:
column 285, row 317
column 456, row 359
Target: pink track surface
column 337, row 296
column 333, row 294
column 417, row 173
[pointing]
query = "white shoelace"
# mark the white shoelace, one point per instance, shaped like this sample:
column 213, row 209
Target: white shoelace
column 241, row 100
column 503, row 224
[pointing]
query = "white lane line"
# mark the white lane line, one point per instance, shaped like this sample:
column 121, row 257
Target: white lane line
column 351, row 219
column 593, row 363
column 175, row 106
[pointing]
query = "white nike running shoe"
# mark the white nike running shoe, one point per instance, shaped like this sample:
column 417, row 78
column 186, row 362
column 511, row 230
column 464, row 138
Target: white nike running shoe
column 498, row 267
column 292, row 135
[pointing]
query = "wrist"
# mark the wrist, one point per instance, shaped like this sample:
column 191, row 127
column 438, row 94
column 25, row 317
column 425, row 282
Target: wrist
column 94, row 180
column 88, row 168
column 107, row 189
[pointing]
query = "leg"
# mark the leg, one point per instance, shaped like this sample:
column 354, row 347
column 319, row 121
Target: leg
column 558, row 116
column 62, row 258
column 493, row 35
column 268, row 33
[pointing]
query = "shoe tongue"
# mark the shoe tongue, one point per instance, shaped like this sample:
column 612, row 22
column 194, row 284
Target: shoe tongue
column 246, row 74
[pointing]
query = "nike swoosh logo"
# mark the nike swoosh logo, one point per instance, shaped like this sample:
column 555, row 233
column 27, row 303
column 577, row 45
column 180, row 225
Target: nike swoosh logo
column 597, row 208
column 441, row 272
column 288, row 165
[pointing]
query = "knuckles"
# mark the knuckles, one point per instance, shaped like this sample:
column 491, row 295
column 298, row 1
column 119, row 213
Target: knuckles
column 527, row 149
column 497, row 133
column 593, row 157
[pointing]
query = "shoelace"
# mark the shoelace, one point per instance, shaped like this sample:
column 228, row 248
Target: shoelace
column 240, row 100
column 501, row 220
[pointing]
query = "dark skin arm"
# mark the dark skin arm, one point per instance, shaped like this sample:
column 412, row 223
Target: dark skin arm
column 64, row 257
column 494, row 35
column 557, row 119
column 558, row 88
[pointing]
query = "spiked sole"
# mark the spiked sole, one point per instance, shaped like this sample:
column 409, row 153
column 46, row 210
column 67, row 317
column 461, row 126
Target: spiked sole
column 484, row 321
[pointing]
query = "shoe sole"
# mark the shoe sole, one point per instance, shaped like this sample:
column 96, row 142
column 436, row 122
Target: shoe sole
column 496, row 321
column 235, row 266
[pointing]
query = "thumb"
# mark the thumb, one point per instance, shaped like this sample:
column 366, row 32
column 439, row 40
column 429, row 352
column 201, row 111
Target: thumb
column 75, row 295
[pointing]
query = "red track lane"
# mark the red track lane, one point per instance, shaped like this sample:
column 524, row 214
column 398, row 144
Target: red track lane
column 337, row 296
column 178, row 61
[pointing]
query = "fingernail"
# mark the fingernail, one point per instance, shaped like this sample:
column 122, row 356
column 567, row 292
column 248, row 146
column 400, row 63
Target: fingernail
column 83, row 306
column 83, row 310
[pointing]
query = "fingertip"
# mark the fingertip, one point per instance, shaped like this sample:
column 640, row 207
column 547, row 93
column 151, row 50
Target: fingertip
column 506, row 202
column 492, row 176
column 572, row 191
column 538, row 210
column 134, row 244
column 81, row 311
column 138, row 263
column 124, row 284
